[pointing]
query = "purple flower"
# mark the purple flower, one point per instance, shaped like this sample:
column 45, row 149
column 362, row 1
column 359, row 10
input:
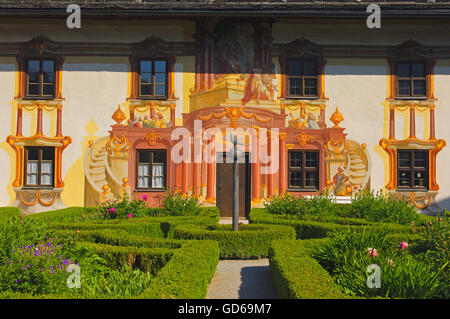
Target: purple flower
column 112, row 210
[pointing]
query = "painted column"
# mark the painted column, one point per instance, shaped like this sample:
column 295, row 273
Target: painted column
column 19, row 121
column 211, row 63
column 283, row 177
column 184, row 175
column 39, row 119
column 432, row 124
column 59, row 121
column 412, row 121
column 391, row 122
column 256, row 170
column 271, row 177
column 210, row 175
column 172, row 114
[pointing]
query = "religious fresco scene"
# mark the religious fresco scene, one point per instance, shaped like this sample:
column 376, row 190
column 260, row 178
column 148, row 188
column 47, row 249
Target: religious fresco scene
column 230, row 73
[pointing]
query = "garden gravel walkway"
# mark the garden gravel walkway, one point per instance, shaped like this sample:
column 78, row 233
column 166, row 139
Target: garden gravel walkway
column 242, row 279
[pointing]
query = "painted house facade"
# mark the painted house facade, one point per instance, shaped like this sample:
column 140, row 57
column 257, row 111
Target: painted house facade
column 321, row 101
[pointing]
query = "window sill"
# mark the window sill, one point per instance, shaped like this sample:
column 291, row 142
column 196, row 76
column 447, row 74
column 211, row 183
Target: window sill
column 409, row 190
column 303, row 190
column 152, row 190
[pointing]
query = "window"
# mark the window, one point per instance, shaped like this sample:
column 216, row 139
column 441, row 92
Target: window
column 302, row 77
column 39, row 166
column 151, row 169
column 40, row 78
column 303, row 170
column 153, row 78
column 412, row 169
column 411, row 79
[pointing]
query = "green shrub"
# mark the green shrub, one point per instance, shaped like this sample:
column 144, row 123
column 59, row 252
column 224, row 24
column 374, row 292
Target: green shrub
column 187, row 274
column 142, row 258
column 8, row 212
column 435, row 248
column 16, row 231
column 36, row 268
column 297, row 275
column 307, row 229
column 299, row 206
column 347, row 255
column 382, row 208
column 178, row 204
column 251, row 241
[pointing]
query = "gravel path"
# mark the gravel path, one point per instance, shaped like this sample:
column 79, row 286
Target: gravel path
column 242, row 279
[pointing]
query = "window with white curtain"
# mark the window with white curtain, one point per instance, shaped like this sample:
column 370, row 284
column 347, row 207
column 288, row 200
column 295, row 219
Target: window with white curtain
column 151, row 169
column 39, row 168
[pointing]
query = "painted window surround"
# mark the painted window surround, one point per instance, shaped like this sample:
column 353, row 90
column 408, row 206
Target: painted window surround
column 38, row 48
column 411, row 51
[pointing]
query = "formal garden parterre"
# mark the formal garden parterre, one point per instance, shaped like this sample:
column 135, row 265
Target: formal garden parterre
column 316, row 248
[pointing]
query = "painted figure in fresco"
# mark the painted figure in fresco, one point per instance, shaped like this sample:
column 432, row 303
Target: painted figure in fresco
column 339, row 180
column 259, row 86
column 148, row 122
column 137, row 122
column 234, row 52
column 312, row 122
column 159, row 122
column 305, row 120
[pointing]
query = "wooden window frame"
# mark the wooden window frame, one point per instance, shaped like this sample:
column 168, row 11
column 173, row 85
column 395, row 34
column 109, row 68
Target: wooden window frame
column 151, row 189
column 429, row 79
column 303, row 169
column 303, row 77
column 411, row 79
column 41, row 80
column 135, row 89
column 413, row 169
column 39, row 185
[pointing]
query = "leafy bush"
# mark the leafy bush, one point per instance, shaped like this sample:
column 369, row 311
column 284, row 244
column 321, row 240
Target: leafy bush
column 288, row 204
column 187, row 274
column 382, row 208
column 35, row 268
column 251, row 241
column 178, row 204
column 307, row 228
column 297, row 275
column 122, row 208
column 435, row 248
column 403, row 275
column 18, row 231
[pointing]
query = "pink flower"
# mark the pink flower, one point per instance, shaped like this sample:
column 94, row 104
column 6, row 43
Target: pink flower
column 144, row 197
column 130, row 216
column 404, row 244
column 112, row 210
column 372, row 252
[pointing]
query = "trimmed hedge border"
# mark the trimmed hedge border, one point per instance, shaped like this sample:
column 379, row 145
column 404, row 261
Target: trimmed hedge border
column 160, row 227
column 183, row 269
column 187, row 274
column 297, row 275
column 250, row 242
column 142, row 258
column 308, row 229
column 7, row 212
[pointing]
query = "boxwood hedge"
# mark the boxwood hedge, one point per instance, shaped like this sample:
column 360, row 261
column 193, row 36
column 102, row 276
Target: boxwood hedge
column 251, row 241
column 309, row 228
column 297, row 275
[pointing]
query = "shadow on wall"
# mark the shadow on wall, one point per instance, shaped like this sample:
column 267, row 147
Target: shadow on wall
column 444, row 203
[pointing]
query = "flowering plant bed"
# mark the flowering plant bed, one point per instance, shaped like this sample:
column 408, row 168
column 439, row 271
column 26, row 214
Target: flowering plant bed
column 113, row 263
column 344, row 265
